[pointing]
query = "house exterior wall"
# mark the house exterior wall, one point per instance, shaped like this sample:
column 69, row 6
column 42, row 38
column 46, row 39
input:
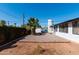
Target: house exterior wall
column 58, row 28
column 70, row 28
column 63, row 27
column 69, row 35
column 76, row 27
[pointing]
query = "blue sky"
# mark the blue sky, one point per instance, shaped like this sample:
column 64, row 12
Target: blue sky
column 58, row 12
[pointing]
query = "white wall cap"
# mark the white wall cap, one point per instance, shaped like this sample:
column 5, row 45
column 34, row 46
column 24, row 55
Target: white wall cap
column 49, row 19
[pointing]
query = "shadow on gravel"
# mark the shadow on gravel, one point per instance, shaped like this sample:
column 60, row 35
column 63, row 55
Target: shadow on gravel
column 10, row 44
column 8, row 47
column 40, row 34
column 42, row 42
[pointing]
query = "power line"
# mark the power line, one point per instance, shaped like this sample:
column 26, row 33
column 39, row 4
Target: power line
column 14, row 17
column 23, row 18
column 10, row 15
column 8, row 23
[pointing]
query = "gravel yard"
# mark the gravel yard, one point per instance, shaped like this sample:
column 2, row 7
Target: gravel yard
column 47, row 44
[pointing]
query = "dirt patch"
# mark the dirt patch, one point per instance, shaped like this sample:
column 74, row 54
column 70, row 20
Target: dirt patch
column 43, row 49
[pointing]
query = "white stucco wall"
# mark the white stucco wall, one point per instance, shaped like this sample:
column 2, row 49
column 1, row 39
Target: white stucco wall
column 70, row 27
column 71, row 37
column 50, row 24
column 58, row 28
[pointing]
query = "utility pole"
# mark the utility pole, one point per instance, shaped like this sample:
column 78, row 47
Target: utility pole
column 23, row 16
column 8, row 23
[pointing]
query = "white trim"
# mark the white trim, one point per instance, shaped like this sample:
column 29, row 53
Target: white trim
column 72, row 37
column 58, row 28
column 70, row 27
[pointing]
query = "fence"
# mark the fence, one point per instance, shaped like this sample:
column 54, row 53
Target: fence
column 10, row 33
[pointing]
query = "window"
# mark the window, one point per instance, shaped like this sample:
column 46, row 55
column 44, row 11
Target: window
column 63, row 27
column 55, row 28
column 75, row 25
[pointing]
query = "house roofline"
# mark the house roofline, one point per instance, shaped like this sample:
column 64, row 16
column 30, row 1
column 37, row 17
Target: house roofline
column 67, row 21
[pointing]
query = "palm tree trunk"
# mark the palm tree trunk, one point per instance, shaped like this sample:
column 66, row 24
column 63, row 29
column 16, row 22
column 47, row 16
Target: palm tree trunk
column 32, row 31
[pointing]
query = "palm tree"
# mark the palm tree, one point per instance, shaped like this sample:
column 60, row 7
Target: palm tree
column 2, row 23
column 33, row 23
